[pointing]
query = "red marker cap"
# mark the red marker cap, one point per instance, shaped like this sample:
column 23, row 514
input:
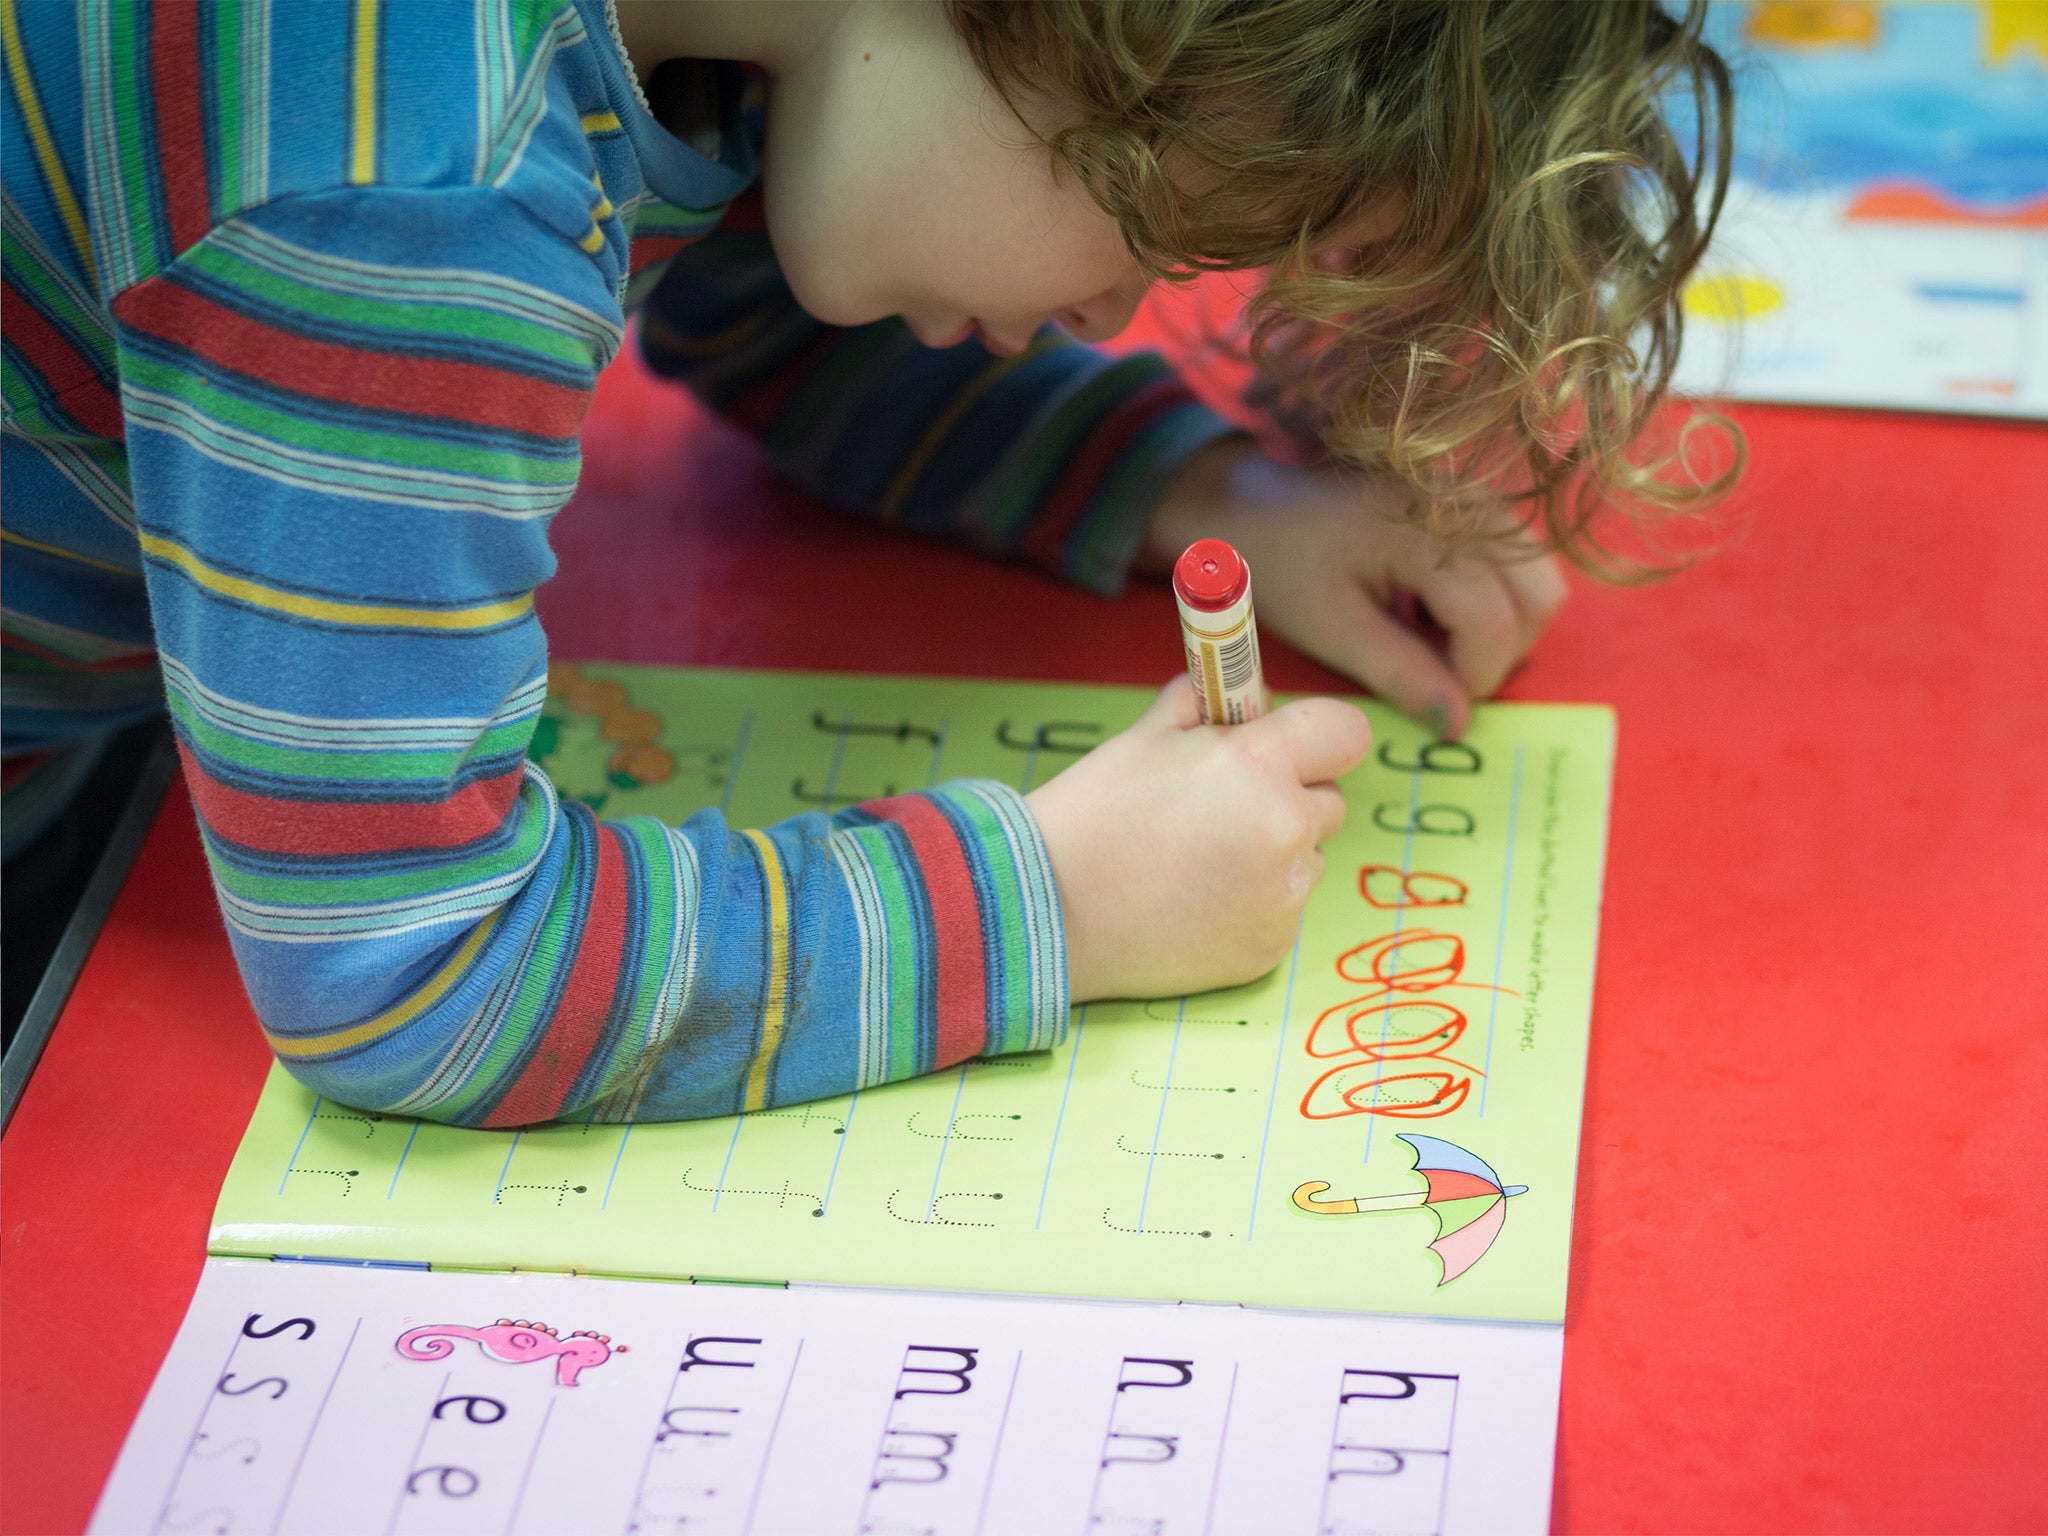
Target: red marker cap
column 1210, row 575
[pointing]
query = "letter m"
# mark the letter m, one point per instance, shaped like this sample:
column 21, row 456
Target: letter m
column 912, row 1456
column 924, row 1360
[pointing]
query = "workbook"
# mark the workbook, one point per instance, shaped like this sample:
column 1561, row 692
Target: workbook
column 308, row 1398
column 1384, row 1126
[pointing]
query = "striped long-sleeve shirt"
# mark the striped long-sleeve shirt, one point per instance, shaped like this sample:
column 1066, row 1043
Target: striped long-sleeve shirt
column 304, row 303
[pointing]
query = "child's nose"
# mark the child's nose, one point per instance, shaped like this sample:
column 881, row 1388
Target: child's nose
column 1106, row 314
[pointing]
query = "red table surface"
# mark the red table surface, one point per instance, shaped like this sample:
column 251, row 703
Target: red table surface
column 1808, row 1275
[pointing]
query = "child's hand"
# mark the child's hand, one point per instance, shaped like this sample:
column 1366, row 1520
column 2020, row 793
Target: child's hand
column 1185, row 853
column 1326, row 565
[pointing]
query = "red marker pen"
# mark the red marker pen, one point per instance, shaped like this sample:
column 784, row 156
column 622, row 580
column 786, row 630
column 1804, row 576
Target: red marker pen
column 1213, row 586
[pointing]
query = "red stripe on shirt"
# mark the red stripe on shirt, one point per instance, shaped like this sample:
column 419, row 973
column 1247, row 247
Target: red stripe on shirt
column 16, row 769
column 542, row 1089
column 960, row 961
column 180, row 134
column 647, row 250
column 139, row 661
column 747, row 211
column 1097, row 456
column 468, row 392
column 83, row 395
column 321, row 828
column 757, row 407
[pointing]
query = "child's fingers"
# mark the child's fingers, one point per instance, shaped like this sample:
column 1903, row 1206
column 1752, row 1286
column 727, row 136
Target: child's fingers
column 1471, row 603
column 1352, row 633
column 1324, row 738
column 1174, row 707
column 1537, row 589
column 1326, row 805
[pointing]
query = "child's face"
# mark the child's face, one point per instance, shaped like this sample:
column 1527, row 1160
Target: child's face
column 898, row 182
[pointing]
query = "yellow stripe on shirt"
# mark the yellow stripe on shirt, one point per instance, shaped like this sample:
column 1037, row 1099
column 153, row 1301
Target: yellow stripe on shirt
column 942, row 425
column 332, row 610
column 593, row 241
column 25, row 542
column 776, row 1007
column 45, row 146
column 600, row 122
column 695, row 348
column 362, row 151
column 436, row 988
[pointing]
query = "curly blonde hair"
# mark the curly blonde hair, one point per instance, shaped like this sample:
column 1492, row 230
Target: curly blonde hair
column 1515, row 333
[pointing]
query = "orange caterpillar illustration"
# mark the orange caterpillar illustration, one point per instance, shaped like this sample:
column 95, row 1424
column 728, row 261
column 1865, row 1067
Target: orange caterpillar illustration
column 631, row 731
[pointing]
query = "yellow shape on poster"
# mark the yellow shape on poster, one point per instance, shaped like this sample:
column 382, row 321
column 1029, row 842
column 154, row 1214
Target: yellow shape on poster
column 2012, row 26
column 1731, row 297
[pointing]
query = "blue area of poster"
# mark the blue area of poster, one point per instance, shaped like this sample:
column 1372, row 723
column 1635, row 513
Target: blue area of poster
column 1885, row 239
column 1950, row 95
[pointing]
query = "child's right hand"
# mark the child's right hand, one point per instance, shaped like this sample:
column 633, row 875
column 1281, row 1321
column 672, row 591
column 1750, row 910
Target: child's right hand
column 1185, row 853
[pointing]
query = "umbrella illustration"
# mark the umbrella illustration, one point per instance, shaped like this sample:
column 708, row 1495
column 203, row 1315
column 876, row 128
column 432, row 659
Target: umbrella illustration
column 1467, row 1198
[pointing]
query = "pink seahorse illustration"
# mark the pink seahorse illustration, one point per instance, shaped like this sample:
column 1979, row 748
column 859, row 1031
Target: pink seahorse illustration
column 515, row 1342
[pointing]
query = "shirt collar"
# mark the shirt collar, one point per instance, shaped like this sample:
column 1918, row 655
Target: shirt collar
column 674, row 172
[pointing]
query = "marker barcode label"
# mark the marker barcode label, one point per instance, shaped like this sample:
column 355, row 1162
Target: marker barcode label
column 1238, row 660
column 1208, row 682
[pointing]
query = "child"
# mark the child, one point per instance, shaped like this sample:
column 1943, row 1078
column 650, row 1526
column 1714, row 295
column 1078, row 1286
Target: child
column 304, row 303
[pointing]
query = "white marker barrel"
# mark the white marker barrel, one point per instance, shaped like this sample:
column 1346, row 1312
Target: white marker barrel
column 1213, row 586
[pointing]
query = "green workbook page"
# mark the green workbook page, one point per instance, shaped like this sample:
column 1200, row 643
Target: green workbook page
column 1387, row 1122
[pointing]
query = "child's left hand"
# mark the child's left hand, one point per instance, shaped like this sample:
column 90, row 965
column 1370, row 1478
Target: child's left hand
column 1327, row 562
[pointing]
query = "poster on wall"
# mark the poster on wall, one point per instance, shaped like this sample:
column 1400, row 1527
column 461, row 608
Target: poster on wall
column 1885, row 241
